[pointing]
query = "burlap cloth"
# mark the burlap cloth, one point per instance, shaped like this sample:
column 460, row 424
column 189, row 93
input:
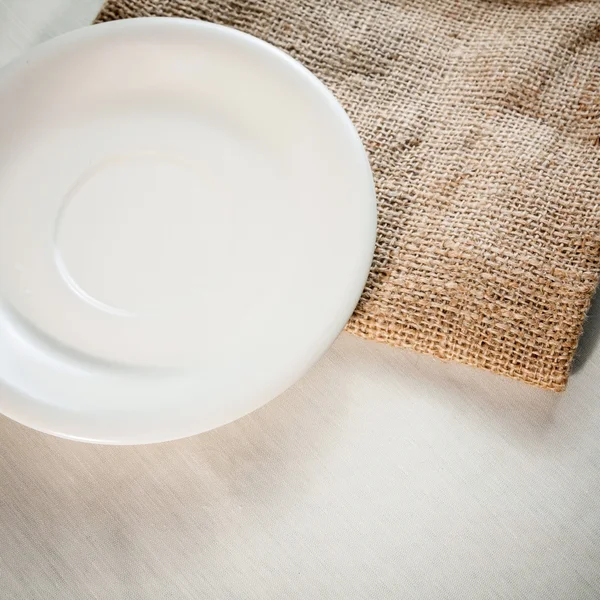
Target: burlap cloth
column 481, row 119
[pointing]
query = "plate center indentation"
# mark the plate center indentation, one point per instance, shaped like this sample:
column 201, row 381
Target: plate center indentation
column 133, row 232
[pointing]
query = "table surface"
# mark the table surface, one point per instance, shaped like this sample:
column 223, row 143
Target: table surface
column 381, row 474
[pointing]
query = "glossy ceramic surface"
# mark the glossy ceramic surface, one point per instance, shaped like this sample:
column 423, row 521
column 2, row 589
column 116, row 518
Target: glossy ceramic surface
column 187, row 219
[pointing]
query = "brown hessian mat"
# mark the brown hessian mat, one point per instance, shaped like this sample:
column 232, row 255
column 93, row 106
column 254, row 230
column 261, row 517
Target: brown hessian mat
column 481, row 119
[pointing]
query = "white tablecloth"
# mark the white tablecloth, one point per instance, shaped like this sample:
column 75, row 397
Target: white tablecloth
column 382, row 474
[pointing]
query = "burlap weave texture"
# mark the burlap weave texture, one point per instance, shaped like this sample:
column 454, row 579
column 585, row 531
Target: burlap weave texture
column 481, row 119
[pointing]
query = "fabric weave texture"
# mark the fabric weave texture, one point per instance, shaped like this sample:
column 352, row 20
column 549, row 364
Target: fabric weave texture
column 481, row 119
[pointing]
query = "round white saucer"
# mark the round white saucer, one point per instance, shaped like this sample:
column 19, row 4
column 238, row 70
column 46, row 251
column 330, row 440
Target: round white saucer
column 187, row 219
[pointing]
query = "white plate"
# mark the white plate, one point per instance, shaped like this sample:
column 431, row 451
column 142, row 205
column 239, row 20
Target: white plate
column 187, row 219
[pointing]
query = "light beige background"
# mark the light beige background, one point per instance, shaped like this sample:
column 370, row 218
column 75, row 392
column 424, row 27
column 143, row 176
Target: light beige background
column 382, row 474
